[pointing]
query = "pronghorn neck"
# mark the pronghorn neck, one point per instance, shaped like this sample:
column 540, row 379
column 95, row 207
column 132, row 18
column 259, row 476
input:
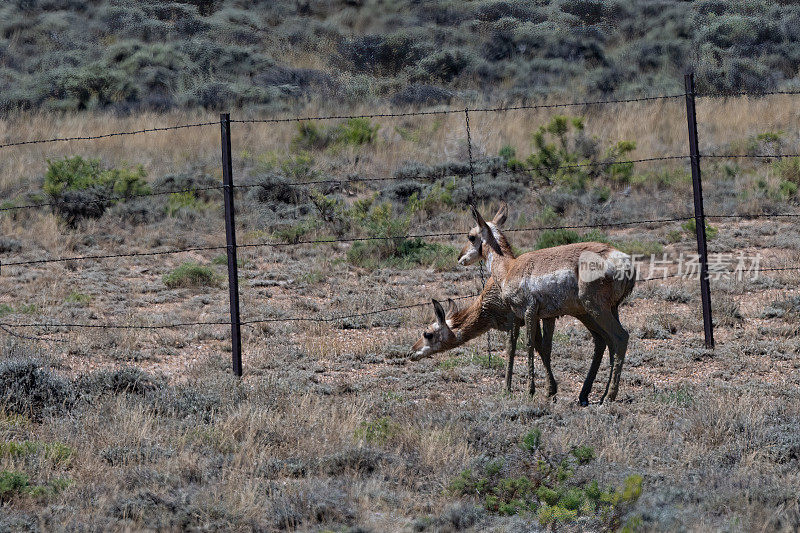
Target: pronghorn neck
column 484, row 313
column 498, row 254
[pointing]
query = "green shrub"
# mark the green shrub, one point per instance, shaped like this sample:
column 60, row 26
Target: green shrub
column 438, row 199
column 555, row 513
column 186, row 200
column 690, row 227
column 562, row 146
column 191, row 275
column 81, row 188
column 547, row 495
column 583, row 454
column 507, row 152
column 532, row 440
column 12, row 483
column 76, row 173
column 572, row 499
column 18, row 484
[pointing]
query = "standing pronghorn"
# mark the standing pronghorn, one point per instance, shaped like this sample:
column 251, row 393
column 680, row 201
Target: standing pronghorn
column 471, row 253
column 584, row 280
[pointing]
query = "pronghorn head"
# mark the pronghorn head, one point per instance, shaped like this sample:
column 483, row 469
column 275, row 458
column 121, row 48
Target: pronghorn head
column 437, row 337
column 482, row 235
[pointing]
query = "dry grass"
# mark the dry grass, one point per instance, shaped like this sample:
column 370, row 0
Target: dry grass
column 659, row 128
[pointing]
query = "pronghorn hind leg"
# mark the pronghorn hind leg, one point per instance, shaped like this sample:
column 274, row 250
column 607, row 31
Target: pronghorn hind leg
column 513, row 335
column 545, row 349
column 608, row 320
column 599, row 348
column 534, row 333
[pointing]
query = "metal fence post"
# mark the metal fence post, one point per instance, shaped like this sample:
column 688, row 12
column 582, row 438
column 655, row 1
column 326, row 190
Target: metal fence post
column 699, row 215
column 230, row 236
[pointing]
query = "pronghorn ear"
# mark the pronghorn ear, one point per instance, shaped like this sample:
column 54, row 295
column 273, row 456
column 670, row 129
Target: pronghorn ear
column 441, row 318
column 452, row 308
column 478, row 218
column 486, row 232
column 502, row 215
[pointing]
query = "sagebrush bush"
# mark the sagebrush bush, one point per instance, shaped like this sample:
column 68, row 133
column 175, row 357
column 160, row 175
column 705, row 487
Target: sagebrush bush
column 81, row 188
column 27, row 388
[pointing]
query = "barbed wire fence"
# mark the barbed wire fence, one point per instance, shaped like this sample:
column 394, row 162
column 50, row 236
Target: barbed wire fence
column 694, row 157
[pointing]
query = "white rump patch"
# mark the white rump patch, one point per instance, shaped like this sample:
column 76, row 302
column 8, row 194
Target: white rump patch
column 593, row 266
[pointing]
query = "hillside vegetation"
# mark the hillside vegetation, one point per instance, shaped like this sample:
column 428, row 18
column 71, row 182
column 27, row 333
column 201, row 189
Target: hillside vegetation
column 133, row 55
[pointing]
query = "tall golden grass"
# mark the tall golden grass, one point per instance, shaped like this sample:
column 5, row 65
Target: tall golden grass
column 658, row 128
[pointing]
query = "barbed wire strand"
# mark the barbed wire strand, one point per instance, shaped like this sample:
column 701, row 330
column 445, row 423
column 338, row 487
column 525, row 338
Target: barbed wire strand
column 498, row 109
column 106, row 135
column 749, row 156
column 105, row 199
column 334, row 318
column 437, row 176
column 387, row 238
column 27, row 337
column 337, row 240
column 755, row 94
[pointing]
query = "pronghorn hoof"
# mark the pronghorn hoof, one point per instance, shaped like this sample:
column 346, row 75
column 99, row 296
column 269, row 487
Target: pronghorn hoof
column 584, row 403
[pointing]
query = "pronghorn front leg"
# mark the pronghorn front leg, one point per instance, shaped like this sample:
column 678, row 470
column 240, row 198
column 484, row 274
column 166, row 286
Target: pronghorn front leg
column 532, row 322
column 513, row 335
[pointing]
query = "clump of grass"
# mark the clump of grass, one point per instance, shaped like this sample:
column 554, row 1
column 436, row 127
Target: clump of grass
column 24, row 309
column 377, row 431
column 184, row 201
column 191, row 275
column 294, row 233
column 353, row 132
column 559, row 237
column 488, row 361
column 638, row 247
column 57, row 453
column 78, row 298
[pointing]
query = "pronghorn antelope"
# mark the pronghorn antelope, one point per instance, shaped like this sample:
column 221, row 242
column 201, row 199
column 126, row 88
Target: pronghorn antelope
column 584, row 280
column 474, row 251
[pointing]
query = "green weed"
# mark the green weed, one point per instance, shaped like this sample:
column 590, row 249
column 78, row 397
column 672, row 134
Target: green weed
column 690, row 227
column 377, row 431
column 191, row 275
column 78, row 298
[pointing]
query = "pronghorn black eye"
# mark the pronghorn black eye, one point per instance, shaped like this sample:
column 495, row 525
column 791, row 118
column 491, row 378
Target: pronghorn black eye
column 427, row 335
column 471, row 238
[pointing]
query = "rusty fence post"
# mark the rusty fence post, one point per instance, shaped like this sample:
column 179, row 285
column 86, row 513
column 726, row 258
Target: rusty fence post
column 230, row 237
column 699, row 215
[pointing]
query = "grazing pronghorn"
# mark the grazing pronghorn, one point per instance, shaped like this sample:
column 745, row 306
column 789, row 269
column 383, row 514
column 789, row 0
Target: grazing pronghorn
column 584, row 280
